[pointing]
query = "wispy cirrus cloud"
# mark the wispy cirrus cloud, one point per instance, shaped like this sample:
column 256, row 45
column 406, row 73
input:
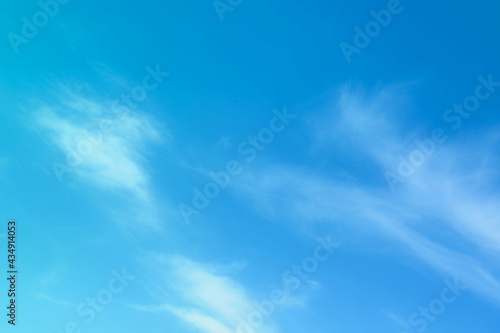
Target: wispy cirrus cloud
column 114, row 160
column 100, row 143
column 452, row 189
column 204, row 296
column 54, row 300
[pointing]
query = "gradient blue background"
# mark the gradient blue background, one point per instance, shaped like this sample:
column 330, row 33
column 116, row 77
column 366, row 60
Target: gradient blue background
column 323, row 175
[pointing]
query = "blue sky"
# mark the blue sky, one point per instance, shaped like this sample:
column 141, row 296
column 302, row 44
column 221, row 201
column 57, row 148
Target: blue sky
column 353, row 193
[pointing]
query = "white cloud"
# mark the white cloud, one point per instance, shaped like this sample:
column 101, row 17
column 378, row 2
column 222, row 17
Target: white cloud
column 204, row 296
column 98, row 147
column 55, row 301
column 449, row 190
